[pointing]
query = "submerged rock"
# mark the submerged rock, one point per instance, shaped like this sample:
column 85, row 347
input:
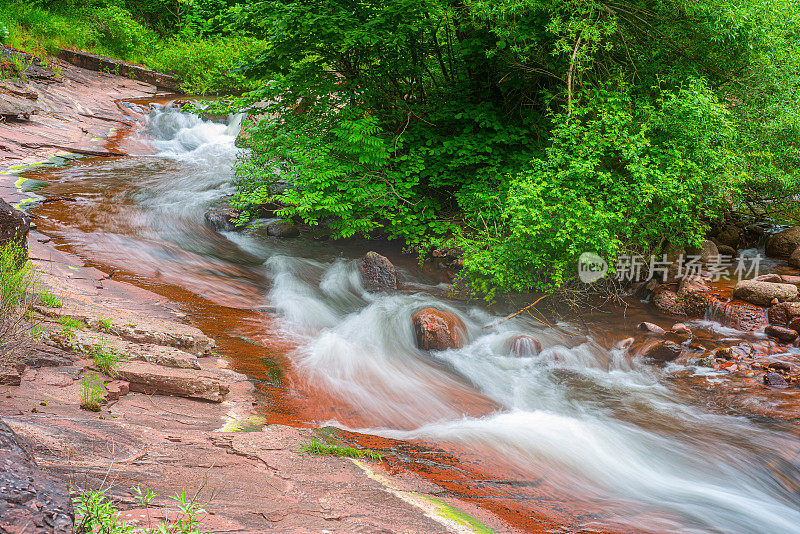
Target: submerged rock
column 664, row 352
column 774, row 380
column 30, row 499
column 783, row 243
column 377, row 272
column 438, row 330
column 762, row 293
column 525, row 346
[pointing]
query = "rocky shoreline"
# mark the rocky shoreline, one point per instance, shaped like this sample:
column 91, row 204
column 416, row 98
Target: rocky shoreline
column 173, row 416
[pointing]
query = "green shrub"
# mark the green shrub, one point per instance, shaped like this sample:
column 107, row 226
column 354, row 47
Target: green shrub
column 16, row 284
column 209, row 65
column 92, row 392
column 120, row 34
column 95, row 512
column 4, row 33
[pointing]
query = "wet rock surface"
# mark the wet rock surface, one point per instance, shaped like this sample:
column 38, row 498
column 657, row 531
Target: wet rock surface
column 438, row 330
column 31, row 501
column 377, row 272
column 787, row 335
column 282, row 229
column 221, row 217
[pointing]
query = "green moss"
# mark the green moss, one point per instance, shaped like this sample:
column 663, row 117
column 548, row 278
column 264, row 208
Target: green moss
column 458, row 516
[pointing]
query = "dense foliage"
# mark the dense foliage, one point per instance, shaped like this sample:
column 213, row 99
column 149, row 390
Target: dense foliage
column 167, row 35
column 525, row 131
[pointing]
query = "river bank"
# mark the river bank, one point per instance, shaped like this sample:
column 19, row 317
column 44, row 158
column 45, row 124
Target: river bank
column 251, row 474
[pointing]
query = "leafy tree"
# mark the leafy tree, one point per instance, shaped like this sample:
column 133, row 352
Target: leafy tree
column 524, row 131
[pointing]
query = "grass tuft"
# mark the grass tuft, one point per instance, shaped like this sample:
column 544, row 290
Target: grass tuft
column 92, row 392
column 69, row 325
column 47, row 298
column 105, row 358
column 315, row 447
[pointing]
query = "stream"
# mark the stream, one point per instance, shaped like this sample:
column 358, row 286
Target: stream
column 584, row 434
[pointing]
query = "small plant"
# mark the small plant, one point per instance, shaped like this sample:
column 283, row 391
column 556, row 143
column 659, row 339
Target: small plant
column 95, row 512
column 92, row 394
column 48, row 299
column 105, row 358
column 316, row 447
column 36, row 332
column 69, row 325
column 106, row 324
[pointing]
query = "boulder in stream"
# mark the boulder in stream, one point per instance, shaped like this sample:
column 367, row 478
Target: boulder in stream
column 774, row 380
column 221, row 216
column 377, row 272
column 438, row 330
column 784, row 313
column 794, row 259
column 525, row 346
column 782, row 244
column 282, row 229
column 781, row 333
column 762, row 293
column 651, row 328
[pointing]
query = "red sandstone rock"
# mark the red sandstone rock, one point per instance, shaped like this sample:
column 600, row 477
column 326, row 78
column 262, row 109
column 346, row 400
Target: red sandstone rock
column 438, row 330
column 784, row 313
column 664, row 352
column 116, row 389
column 157, row 380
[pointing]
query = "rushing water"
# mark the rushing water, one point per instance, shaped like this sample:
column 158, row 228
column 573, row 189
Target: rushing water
column 595, row 426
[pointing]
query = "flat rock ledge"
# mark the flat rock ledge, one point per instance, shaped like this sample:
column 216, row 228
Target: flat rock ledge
column 138, row 330
column 208, row 385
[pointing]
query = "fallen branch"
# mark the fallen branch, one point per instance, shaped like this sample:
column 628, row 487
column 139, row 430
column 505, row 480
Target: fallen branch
column 523, row 310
